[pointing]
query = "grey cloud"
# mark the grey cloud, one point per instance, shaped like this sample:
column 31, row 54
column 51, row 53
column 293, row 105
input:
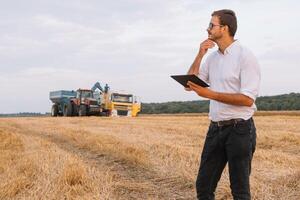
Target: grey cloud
column 133, row 45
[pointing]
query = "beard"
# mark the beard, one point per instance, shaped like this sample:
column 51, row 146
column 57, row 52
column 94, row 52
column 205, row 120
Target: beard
column 214, row 37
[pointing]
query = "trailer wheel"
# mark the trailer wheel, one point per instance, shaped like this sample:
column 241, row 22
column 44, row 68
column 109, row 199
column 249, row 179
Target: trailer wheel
column 54, row 110
column 82, row 110
column 68, row 109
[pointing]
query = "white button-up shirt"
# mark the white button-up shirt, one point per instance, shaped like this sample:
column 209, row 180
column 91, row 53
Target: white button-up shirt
column 235, row 71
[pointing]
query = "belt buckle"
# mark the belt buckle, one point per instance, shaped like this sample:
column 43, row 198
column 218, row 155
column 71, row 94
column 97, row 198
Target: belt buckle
column 219, row 124
column 235, row 122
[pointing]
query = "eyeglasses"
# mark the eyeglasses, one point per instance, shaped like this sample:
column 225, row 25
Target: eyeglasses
column 211, row 26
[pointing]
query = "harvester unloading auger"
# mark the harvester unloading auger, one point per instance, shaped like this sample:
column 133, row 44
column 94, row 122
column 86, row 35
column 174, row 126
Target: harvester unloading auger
column 86, row 102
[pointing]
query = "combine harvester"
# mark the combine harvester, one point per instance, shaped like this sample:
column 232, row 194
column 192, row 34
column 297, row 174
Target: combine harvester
column 86, row 102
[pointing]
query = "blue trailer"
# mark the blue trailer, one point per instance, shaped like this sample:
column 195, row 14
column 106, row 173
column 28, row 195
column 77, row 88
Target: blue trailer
column 61, row 100
column 81, row 102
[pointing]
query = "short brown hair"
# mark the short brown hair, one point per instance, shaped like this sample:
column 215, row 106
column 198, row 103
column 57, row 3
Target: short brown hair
column 227, row 18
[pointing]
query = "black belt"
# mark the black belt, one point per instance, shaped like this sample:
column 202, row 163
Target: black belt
column 228, row 122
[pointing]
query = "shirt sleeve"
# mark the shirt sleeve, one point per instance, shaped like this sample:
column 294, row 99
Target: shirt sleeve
column 250, row 75
column 204, row 75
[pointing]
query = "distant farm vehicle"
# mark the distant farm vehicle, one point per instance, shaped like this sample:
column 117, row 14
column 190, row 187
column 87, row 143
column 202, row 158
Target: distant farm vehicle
column 121, row 104
column 71, row 103
column 86, row 102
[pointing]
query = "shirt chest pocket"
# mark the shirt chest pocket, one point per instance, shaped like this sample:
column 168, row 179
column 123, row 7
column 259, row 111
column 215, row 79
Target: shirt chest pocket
column 226, row 72
column 232, row 76
column 230, row 72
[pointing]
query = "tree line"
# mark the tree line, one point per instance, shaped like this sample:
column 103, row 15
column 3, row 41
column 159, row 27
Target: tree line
column 24, row 114
column 266, row 103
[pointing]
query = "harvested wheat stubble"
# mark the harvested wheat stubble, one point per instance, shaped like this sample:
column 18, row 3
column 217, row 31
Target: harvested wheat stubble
column 150, row 157
column 38, row 169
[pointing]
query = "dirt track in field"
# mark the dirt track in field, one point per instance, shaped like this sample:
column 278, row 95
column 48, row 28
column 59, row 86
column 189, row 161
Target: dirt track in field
column 150, row 157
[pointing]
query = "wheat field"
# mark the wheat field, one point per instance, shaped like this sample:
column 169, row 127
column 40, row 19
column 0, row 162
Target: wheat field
column 148, row 157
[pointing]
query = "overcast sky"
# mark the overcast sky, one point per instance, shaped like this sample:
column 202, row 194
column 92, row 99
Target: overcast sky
column 133, row 45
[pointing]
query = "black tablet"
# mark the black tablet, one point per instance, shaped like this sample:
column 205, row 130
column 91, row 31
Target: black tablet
column 183, row 79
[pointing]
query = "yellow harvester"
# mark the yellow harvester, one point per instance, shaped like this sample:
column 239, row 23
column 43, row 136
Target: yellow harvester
column 116, row 103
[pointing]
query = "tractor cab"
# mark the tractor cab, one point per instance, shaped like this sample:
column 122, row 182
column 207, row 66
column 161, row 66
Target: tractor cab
column 85, row 96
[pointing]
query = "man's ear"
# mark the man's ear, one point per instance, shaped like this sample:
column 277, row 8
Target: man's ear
column 226, row 29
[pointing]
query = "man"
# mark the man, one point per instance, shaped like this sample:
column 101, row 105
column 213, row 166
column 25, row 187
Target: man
column 234, row 77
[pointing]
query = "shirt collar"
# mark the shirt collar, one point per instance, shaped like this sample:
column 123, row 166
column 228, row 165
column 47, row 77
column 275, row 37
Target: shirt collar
column 230, row 47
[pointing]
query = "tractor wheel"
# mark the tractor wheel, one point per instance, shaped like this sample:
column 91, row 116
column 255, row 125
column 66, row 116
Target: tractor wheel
column 82, row 110
column 54, row 110
column 75, row 110
column 68, row 109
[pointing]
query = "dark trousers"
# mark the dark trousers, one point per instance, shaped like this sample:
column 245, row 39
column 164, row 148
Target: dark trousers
column 234, row 144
